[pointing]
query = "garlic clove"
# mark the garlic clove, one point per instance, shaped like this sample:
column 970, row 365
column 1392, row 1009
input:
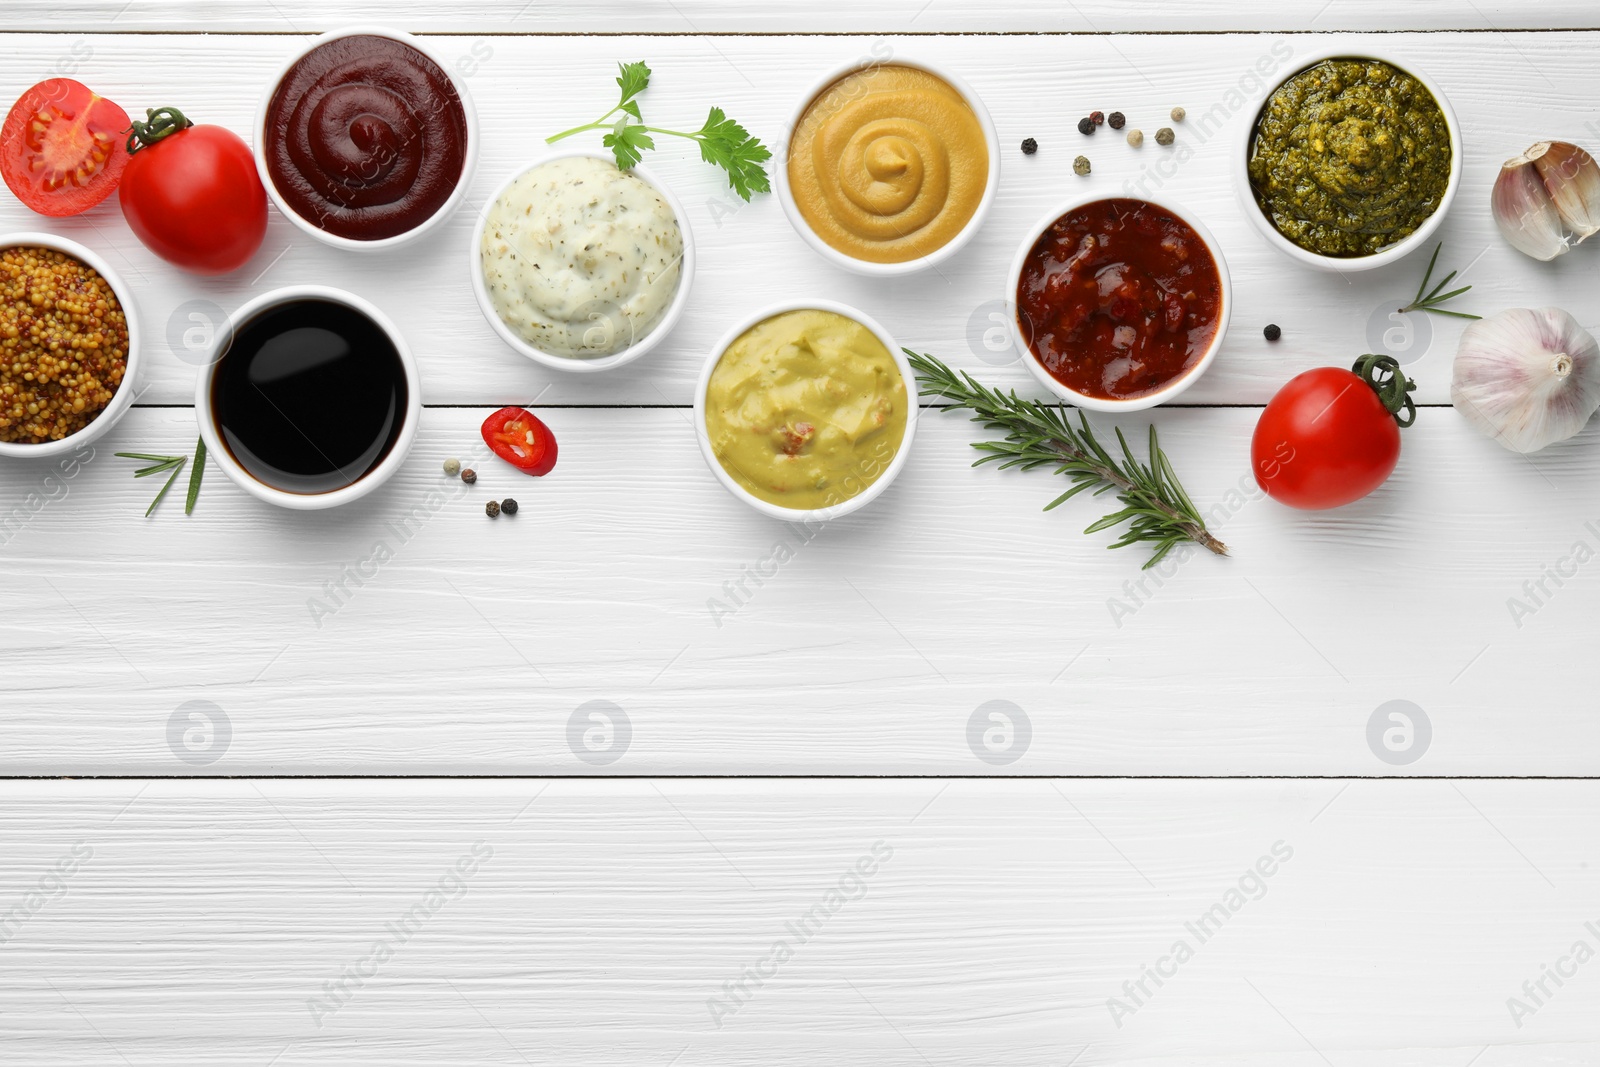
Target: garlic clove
column 1526, row 213
column 1527, row 378
column 1573, row 178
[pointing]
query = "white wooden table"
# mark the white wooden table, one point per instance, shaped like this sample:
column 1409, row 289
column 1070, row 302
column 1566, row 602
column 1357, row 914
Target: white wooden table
column 252, row 796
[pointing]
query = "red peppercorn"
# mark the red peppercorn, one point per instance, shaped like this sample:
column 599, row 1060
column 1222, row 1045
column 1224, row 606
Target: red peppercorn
column 1097, row 117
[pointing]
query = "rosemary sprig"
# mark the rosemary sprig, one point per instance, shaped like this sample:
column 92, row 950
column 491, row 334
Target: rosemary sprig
column 1154, row 504
column 158, row 464
column 162, row 464
column 196, row 473
column 1434, row 298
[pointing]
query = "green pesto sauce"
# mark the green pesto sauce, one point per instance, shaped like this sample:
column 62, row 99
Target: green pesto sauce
column 1349, row 156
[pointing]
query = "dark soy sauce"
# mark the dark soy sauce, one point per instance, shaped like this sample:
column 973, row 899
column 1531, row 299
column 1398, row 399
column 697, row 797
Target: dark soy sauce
column 310, row 396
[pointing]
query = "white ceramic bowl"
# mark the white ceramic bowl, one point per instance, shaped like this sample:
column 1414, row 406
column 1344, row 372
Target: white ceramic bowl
column 1252, row 210
column 1094, row 403
column 219, row 452
column 861, row 499
column 911, row 266
column 123, row 398
column 445, row 210
column 572, row 364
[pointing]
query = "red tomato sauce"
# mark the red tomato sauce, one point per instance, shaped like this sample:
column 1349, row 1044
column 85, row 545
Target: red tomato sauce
column 1118, row 298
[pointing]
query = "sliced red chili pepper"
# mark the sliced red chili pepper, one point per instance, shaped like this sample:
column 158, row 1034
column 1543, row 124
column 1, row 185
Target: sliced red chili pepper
column 518, row 437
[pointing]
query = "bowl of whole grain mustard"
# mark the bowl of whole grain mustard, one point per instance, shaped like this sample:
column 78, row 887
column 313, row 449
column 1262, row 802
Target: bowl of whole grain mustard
column 69, row 346
column 1351, row 161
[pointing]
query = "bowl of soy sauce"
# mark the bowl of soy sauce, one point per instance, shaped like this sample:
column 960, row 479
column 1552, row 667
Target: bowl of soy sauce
column 310, row 398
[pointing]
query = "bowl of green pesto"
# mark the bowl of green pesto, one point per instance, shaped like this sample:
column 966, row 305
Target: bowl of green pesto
column 1351, row 162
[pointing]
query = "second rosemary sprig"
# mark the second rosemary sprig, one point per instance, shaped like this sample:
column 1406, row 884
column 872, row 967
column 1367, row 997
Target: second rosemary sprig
column 1430, row 299
column 1154, row 505
column 159, row 464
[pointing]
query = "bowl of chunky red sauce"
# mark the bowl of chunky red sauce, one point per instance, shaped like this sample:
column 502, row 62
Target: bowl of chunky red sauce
column 365, row 139
column 1120, row 303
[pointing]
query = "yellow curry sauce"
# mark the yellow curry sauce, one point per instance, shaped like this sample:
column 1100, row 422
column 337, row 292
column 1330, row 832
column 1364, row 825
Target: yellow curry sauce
column 806, row 409
column 888, row 164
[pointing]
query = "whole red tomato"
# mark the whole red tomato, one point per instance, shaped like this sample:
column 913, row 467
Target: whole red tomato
column 61, row 147
column 1331, row 436
column 192, row 195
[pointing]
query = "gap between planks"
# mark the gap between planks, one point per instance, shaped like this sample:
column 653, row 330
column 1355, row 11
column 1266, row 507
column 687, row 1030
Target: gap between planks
column 806, row 777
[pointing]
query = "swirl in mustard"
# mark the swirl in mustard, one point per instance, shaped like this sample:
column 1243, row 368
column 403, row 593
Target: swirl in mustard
column 888, row 164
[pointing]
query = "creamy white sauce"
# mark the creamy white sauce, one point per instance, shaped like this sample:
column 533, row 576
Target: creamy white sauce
column 581, row 259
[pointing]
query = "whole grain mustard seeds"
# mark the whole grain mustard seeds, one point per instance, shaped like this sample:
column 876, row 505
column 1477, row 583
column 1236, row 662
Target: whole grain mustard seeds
column 63, row 345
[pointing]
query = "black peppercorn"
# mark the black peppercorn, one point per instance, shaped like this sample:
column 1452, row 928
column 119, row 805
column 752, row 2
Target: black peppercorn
column 1272, row 333
column 491, row 509
column 1029, row 146
column 1086, row 125
column 508, row 506
column 469, row 475
column 1097, row 117
column 1117, row 120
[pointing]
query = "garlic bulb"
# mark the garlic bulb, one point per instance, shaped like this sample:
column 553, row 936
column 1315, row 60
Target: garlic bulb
column 1548, row 199
column 1527, row 378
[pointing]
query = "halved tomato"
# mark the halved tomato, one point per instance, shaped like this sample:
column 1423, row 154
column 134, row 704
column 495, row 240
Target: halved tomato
column 61, row 148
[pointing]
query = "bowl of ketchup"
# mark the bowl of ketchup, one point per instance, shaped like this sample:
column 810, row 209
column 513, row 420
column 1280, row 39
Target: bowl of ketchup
column 365, row 139
column 1119, row 303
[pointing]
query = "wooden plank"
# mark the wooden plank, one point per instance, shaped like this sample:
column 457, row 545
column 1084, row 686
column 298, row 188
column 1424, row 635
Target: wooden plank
column 786, row 16
column 191, row 923
column 749, row 255
column 408, row 633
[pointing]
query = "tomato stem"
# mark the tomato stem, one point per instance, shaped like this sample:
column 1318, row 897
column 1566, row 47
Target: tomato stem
column 159, row 122
column 1392, row 387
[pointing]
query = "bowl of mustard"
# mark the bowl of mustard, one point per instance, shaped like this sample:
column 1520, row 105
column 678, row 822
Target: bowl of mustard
column 891, row 166
column 805, row 410
column 1351, row 162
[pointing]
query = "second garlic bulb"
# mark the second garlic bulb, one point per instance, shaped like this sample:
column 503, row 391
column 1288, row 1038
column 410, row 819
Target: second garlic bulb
column 1527, row 378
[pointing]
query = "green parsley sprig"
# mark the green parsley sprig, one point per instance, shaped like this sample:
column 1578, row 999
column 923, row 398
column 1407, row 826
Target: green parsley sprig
column 162, row 464
column 723, row 142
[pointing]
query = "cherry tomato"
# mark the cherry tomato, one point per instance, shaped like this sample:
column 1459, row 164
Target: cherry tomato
column 1331, row 436
column 61, row 147
column 192, row 195
column 519, row 438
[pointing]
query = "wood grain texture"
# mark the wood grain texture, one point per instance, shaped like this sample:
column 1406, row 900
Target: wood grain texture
column 789, row 16
column 409, row 633
column 992, row 924
column 981, row 920
column 749, row 255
